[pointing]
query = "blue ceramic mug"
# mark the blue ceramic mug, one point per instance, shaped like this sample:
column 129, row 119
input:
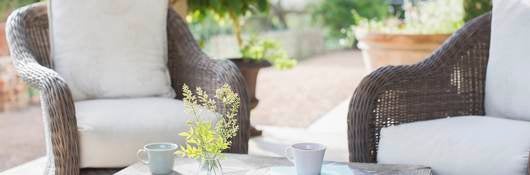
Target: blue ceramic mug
column 159, row 157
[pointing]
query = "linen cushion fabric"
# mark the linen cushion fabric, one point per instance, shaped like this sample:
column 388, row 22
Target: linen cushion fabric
column 112, row 130
column 111, row 48
column 507, row 78
column 471, row 145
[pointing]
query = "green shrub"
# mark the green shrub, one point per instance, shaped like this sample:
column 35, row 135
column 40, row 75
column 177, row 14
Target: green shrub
column 336, row 15
column 207, row 27
column 424, row 17
column 474, row 8
column 233, row 10
column 6, row 6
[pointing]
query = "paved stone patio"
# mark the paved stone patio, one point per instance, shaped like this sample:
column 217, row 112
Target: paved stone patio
column 22, row 137
column 298, row 97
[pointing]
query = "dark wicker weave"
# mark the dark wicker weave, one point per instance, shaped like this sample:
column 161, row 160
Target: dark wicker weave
column 449, row 83
column 27, row 32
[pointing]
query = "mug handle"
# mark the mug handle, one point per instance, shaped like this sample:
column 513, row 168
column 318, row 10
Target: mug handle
column 142, row 156
column 288, row 153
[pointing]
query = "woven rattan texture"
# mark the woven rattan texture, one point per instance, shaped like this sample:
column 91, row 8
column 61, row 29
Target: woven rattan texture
column 448, row 83
column 27, row 33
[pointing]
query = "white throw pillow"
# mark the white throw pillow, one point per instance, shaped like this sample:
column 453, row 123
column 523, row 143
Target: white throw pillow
column 507, row 82
column 112, row 130
column 473, row 145
column 111, row 48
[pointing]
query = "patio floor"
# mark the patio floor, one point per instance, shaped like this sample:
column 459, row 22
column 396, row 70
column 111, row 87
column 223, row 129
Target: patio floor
column 313, row 107
column 298, row 97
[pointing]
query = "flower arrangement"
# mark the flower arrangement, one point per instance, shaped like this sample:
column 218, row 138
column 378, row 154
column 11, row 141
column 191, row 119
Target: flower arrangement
column 205, row 140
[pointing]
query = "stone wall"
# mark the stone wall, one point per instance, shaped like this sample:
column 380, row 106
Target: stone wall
column 14, row 94
column 299, row 44
column 3, row 43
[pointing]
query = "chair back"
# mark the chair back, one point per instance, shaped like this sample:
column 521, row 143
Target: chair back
column 111, row 48
column 507, row 92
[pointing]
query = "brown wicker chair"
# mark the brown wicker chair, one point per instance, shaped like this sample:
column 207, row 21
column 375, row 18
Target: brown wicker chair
column 450, row 82
column 27, row 30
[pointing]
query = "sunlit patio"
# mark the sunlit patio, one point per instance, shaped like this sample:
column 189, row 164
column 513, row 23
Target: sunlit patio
column 264, row 87
column 286, row 124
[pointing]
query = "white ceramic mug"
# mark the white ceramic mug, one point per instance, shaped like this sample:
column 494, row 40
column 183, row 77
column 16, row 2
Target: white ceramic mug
column 159, row 156
column 306, row 157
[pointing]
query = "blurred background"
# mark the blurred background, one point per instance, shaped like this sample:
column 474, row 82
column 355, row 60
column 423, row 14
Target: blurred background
column 310, row 55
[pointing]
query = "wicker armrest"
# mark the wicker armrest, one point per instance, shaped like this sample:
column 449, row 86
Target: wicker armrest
column 448, row 83
column 188, row 64
column 58, row 107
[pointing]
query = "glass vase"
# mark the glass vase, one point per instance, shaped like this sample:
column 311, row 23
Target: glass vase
column 210, row 167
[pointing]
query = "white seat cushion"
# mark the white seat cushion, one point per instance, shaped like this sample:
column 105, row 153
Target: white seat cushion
column 471, row 145
column 111, row 48
column 112, row 130
column 507, row 84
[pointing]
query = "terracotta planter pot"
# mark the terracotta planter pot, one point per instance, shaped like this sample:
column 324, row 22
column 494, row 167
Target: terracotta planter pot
column 380, row 49
column 250, row 70
column 3, row 42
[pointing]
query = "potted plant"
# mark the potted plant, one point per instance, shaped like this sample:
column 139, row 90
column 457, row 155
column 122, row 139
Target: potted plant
column 255, row 53
column 206, row 139
column 394, row 41
column 259, row 53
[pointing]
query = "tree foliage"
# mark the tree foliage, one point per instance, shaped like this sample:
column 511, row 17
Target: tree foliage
column 6, row 6
column 223, row 8
column 233, row 9
column 475, row 8
column 336, row 15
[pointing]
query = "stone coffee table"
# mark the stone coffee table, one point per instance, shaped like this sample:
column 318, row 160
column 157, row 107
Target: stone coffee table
column 240, row 164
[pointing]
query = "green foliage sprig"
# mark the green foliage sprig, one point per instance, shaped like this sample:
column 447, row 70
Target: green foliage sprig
column 204, row 139
column 267, row 49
